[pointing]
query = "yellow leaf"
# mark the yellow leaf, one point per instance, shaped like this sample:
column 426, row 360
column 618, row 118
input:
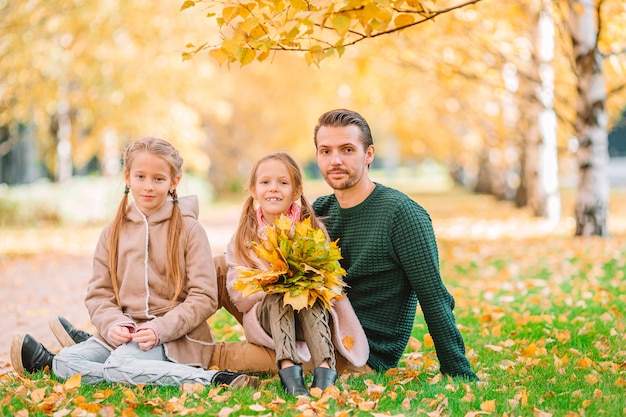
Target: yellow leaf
column 403, row 20
column 284, row 223
column 428, row 341
column 585, row 363
column 316, row 392
column 298, row 302
column 530, row 350
column 38, row 395
column 130, row 395
column 187, row 4
column 229, row 13
column 246, row 56
column 591, row 379
column 249, row 25
column 72, row 382
column 435, row 380
column 299, row 5
column 317, row 53
column 489, row 406
column 102, row 394
column 341, row 23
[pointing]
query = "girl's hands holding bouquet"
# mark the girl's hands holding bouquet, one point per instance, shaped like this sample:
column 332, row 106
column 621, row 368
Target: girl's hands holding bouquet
column 302, row 265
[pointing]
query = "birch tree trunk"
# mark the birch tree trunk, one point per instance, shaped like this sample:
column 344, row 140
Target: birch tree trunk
column 592, row 200
column 542, row 160
column 63, row 165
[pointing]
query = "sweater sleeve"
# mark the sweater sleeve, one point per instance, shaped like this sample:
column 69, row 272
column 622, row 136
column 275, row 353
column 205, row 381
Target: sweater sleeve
column 415, row 244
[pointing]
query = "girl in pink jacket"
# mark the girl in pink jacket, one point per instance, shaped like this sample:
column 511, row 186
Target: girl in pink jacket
column 152, row 289
column 311, row 333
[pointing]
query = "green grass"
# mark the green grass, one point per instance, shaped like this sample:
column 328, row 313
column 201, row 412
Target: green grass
column 544, row 341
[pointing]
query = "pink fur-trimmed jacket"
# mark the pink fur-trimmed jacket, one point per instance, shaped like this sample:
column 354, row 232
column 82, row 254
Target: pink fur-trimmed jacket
column 344, row 321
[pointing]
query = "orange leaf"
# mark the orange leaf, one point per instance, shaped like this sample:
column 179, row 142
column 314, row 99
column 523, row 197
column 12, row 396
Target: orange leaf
column 348, row 342
column 428, row 341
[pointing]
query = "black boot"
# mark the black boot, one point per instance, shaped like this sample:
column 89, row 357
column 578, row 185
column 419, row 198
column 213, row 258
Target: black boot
column 235, row 379
column 28, row 355
column 293, row 380
column 323, row 378
column 66, row 334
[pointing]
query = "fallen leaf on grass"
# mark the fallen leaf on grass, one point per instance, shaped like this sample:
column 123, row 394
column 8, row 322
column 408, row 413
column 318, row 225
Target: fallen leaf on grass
column 38, row 395
column 488, row 406
column 374, row 391
column 72, row 382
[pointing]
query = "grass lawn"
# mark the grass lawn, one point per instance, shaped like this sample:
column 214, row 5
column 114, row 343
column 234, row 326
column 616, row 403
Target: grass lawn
column 541, row 312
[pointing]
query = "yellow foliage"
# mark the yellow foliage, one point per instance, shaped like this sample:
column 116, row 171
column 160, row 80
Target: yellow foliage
column 403, row 20
column 298, row 25
column 302, row 265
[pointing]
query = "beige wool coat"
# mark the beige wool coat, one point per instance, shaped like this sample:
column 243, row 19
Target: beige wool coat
column 344, row 322
column 143, row 288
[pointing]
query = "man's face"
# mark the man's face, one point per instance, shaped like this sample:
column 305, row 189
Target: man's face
column 341, row 157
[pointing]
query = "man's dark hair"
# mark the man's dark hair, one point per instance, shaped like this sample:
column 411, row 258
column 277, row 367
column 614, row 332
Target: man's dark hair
column 342, row 118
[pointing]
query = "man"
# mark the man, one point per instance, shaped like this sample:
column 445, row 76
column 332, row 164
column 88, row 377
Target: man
column 390, row 255
column 388, row 246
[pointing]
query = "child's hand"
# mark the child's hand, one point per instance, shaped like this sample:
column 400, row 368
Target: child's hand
column 145, row 338
column 119, row 335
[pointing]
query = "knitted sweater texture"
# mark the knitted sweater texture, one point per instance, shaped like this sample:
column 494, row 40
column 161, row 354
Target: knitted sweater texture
column 390, row 254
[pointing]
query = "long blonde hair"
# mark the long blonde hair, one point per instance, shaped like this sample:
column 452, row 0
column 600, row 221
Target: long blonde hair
column 165, row 150
column 247, row 229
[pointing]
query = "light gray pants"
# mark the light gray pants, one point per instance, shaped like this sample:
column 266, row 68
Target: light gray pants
column 126, row 364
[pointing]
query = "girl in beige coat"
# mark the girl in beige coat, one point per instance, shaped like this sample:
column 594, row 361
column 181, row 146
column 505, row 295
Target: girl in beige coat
column 152, row 290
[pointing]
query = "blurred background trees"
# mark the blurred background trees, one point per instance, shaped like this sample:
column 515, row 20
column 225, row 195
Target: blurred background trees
column 515, row 98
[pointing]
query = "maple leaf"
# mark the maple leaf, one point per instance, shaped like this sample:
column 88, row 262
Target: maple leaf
column 302, row 265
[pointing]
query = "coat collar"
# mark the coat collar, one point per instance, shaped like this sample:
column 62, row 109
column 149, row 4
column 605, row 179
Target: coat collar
column 188, row 207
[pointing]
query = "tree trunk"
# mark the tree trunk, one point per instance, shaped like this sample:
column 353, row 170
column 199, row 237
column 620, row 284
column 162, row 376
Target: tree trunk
column 541, row 152
column 110, row 164
column 63, row 163
column 18, row 155
column 592, row 200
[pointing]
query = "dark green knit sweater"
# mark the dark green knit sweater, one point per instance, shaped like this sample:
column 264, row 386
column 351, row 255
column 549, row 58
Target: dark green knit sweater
column 390, row 254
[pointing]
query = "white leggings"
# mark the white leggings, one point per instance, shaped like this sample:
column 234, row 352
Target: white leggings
column 126, row 364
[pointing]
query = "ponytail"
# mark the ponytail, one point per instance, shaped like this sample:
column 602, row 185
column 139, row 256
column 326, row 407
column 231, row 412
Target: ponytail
column 114, row 238
column 174, row 236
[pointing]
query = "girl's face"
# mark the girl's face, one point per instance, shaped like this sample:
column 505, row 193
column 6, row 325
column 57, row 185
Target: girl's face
column 274, row 189
column 150, row 179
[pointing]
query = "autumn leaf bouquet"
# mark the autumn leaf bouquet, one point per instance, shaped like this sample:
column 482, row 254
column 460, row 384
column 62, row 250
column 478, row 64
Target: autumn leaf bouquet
column 302, row 265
